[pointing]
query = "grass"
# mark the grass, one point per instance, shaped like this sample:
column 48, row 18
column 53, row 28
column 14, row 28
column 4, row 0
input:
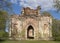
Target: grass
column 29, row 41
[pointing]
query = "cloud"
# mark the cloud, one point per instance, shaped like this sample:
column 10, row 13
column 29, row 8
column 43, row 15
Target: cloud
column 45, row 4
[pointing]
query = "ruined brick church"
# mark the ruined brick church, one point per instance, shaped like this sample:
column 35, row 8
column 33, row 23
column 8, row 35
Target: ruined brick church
column 30, row 25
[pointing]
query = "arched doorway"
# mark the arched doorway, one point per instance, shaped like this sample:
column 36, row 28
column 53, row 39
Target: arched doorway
column 30, row 32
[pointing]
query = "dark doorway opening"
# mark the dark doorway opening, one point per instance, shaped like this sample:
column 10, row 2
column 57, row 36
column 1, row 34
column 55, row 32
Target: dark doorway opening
column 30, row 32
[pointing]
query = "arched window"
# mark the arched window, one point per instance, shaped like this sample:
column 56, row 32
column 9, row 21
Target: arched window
column 30, row 32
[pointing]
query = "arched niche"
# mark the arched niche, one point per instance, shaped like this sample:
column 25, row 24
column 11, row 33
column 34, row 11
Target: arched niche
column 30, row 32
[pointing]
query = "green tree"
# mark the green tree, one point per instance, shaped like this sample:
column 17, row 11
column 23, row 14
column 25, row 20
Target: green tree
column 3, row 18
column 5, row 8
column 57, row 5
column 56, row 29
column 3, row 34
column 45, row 13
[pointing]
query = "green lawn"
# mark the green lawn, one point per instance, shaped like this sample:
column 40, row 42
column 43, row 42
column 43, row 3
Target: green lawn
column 30, row 41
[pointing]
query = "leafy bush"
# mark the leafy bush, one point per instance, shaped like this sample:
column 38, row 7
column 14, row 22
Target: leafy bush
column 56, row 29
column 3, row 35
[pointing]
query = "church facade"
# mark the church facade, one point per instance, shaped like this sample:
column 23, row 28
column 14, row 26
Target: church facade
column 30, row 25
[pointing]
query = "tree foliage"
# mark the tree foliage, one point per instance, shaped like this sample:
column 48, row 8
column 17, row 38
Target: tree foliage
column 45, row 13
column 3, row 18
column 3, row 34
column 56, row 29
column 57, row 5
column 5, row 7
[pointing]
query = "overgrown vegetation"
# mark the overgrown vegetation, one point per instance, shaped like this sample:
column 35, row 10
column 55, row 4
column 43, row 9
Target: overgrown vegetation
column 5, row 7
column 56, row 29
column 57, row 5
column 3, row 18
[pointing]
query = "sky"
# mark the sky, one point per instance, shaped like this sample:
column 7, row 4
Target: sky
column 46, row 5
